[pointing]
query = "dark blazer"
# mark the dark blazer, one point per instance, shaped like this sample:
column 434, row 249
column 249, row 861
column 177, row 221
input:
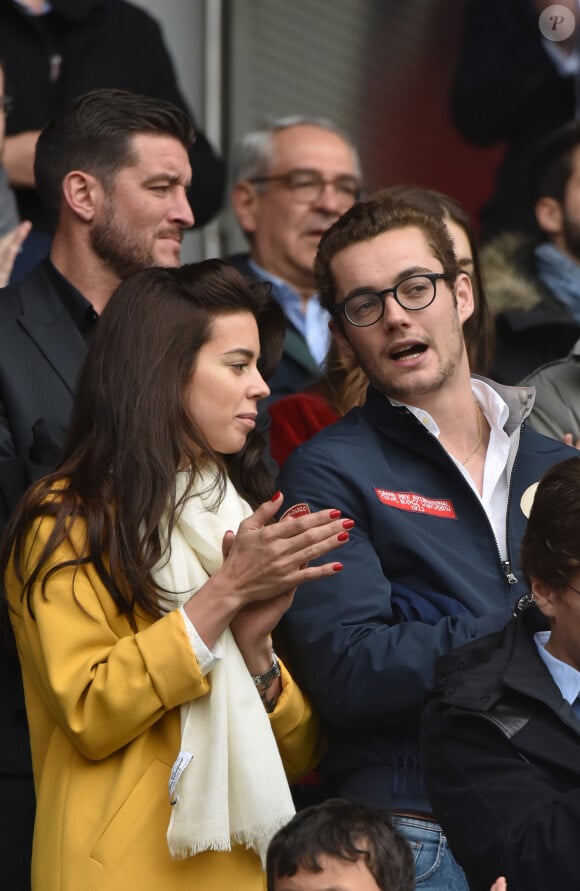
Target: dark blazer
column 501, row 754
column 297, row 368
column 41, row 351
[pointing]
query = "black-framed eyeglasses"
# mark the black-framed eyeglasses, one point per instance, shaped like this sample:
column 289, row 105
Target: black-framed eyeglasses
column 307, row 186
column 6, row 104
column 576, row 591
column 364, row 308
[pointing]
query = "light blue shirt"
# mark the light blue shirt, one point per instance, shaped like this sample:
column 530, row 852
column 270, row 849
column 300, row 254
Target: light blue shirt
column 312, row 324
column 565, row 676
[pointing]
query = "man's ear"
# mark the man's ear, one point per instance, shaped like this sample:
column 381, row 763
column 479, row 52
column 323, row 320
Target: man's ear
column 344, row 346
column 549, row 215
column 464, row 297
column 544, row 596
column 245, row 204
column 81, row 193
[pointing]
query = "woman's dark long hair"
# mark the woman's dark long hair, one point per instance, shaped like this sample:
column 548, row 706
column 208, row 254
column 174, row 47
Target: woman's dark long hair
column 130, row 431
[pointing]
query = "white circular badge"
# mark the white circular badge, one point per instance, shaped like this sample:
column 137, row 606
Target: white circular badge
column 557, row 22
column 527, row 499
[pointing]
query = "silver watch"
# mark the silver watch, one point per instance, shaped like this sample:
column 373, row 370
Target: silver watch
column 263, row 681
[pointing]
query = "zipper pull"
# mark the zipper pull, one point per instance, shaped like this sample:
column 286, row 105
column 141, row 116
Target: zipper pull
column 55, row 63
column 507, row 569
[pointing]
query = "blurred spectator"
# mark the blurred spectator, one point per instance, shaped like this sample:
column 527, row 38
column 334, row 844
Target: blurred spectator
column 292, row 180
column 512, row 86
column 557, row 405
column 12, row 233
column 533, row 284
column 55, row 51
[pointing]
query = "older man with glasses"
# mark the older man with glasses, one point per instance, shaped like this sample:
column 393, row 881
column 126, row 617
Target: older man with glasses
column 433, row 469
column 293, row 179
column 12, row 233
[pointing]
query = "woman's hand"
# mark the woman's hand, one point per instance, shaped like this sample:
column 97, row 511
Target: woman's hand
column 267, row 559
column 252, row 629
column 264, row 563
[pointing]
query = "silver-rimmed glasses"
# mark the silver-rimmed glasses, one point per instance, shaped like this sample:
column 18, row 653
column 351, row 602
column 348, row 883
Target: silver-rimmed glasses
column 308, row 185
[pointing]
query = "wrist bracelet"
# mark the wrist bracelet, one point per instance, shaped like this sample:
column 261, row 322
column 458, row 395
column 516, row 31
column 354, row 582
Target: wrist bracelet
column 263, row 681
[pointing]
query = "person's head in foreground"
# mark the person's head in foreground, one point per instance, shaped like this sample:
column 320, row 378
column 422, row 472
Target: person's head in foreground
column 550, row 556
column 340, row 845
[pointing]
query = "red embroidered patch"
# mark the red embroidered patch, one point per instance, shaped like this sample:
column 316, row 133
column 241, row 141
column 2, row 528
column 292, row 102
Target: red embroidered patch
column 410, row 501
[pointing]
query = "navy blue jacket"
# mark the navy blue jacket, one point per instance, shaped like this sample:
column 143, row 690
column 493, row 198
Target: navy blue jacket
column 422, row 575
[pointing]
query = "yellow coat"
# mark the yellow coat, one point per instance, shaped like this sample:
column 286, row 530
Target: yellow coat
column 103, row 711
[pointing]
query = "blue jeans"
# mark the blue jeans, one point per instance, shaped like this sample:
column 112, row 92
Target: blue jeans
column 435, row 867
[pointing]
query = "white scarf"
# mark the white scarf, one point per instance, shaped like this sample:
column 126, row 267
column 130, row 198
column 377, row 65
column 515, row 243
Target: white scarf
column 234, row 789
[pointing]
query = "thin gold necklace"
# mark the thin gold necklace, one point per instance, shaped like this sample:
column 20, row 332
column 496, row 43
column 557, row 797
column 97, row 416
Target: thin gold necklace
column 477, row 443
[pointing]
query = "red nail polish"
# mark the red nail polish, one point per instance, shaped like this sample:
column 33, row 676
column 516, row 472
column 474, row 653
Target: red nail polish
column 276, row 495
column 347, row 524
column 334, row 514
column 336, row 567
column 343, row 536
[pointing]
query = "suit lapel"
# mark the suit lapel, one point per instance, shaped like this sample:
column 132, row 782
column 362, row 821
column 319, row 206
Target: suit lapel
column 49, row 325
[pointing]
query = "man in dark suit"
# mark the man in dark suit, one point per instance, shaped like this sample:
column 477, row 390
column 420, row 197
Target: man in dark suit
column 292, row 180
column 112, row 170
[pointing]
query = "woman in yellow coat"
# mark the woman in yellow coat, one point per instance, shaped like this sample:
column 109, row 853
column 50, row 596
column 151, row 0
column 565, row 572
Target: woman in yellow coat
column 144, row 579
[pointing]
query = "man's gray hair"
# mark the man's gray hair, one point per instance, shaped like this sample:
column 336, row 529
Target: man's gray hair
column 254, row 152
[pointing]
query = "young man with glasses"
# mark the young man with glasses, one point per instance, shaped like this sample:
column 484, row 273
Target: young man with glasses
column 432, row 469
column 293, row 179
